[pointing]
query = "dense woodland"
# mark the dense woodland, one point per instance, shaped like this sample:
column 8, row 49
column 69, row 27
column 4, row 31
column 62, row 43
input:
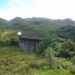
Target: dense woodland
column 56, row 51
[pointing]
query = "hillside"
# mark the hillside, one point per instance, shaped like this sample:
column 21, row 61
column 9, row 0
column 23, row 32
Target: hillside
column 15, row 62
column 39, row 26
column 39, row 23
column 67, row 32
column 35, row 24
column 55, row 54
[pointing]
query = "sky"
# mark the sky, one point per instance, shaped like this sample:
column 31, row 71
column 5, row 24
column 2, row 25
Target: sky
column 53, row 9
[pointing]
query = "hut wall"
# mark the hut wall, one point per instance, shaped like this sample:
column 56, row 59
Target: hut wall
column 28, row 45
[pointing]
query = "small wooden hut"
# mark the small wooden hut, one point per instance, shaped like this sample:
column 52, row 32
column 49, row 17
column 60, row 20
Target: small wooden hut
column 28, row 41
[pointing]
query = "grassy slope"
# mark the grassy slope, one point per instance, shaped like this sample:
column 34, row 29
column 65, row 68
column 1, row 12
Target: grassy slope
column 15, row 62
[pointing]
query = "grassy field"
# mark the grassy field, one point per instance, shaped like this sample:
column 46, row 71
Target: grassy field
column 13, row 61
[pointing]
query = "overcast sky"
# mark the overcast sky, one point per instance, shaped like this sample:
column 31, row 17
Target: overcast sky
column 55, row 9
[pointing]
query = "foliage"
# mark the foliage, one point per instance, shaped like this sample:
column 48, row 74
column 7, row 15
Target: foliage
column 72, row 70
column 73, row 60
column 13, row 61
column 46, row 42
column 8, row 37
column 67, row 32
column 68, row 49
column 49, row 55
column 54, row 50
column 34, row 24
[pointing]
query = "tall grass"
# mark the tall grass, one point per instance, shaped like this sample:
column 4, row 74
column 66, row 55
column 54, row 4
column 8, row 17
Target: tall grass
column 13, row 61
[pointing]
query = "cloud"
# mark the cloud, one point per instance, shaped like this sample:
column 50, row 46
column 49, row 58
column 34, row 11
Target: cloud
column 39, row 8
column 16, row 8
column 20, row 3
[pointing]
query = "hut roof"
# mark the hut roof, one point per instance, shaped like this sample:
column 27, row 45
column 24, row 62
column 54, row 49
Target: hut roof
column 30, row 35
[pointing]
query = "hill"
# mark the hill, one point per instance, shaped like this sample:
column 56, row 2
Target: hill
column 39, row 23
column 35, row 24
column 66, row 32
column 41, row 26
column 54, row 55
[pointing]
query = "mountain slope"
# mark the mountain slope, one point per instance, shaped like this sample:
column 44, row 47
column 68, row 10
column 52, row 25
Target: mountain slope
column 39, row 23
column 66, row 32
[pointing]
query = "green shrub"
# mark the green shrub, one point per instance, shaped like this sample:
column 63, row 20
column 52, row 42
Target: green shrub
column 73, row 60
column 72, row 70
column 67, row 49
column 46, row 42
column 49, row 55
column 64, row 64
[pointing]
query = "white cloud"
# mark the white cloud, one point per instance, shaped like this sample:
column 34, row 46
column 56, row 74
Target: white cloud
column 39, row 8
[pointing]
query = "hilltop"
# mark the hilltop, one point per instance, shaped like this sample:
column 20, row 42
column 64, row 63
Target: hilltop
column 35, row 23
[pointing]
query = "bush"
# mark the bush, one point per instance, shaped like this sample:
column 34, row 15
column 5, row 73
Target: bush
column 67, row 49
column 49, row 55
column 72, row 70
column 73, row 60
column 13, row 42
column 8, row 42
column 44, row 44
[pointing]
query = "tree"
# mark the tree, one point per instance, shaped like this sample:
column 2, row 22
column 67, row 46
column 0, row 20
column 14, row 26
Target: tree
column 45, row 43
column 13, row 42
column 68, row 49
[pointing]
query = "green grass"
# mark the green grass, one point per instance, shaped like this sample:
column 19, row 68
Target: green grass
column 13, row 61
column 52, row 72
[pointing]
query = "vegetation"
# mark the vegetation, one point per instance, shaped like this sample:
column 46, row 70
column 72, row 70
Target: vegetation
column 13, row 61
column 55, row 53
column 67, row 32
